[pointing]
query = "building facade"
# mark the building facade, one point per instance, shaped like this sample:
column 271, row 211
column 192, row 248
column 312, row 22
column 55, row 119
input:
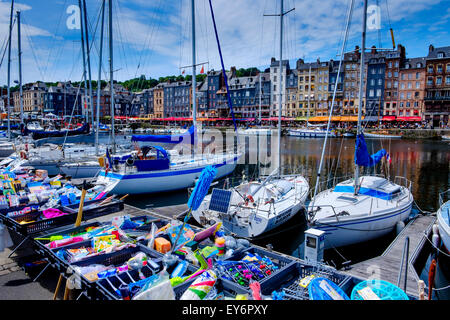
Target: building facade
column 437, row 100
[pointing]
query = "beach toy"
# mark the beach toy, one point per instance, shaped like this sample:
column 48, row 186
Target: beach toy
column 136, row 264
column 200, row 287
column 208, row 232
column 324, row 289
column 52, row 213
column 220, row 245
column 180, row 269
column 64, row 242
column 255, row 287
column 162, row 245
column 377, row 290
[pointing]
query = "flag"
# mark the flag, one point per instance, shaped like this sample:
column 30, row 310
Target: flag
column 182, row 72
column 203, row 70
column 388, row 158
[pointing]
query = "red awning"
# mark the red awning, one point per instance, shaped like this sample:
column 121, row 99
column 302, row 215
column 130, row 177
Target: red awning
column 388, row 118
column 416, row 118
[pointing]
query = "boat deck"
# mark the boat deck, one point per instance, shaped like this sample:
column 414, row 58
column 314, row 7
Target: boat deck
column 387, row 266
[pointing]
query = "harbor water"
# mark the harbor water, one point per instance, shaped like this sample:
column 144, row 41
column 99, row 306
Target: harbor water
column 426, row 163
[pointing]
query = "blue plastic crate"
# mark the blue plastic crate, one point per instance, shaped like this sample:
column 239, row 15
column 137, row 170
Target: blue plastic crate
column 280, row 262
column 227, row 288
column 288, row 280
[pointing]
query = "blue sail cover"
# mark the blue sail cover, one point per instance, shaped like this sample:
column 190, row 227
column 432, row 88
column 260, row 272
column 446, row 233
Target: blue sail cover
column 362, row 156
column 178, row 138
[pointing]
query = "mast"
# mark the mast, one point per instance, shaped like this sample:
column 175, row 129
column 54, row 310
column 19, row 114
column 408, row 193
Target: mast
column 84, row 56
column 88, row 53
column 279, row 88
column 260, row 93
column 8, row 103
column 309, row 96
column 194, row 80
column 113, row 139
column 99, row 91
column 20, row 68
column 361, row 85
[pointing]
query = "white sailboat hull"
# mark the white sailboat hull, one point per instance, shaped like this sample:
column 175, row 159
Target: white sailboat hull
column 348, row 219
column 161, row 180
column 310, row 133
column 80, row 170
column 443, row 223
column 382, row 136
column 258, row 221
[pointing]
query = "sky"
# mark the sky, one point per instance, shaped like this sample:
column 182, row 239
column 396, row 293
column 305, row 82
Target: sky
column 153, row 37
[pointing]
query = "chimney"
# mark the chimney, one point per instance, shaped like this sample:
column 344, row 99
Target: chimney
column 318, row 60
column 272, row 60
column 233, row 72
column 374, row 50
column 430, row 48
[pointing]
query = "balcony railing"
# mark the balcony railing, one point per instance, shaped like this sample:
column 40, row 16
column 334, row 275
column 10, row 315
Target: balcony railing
column 437, row 98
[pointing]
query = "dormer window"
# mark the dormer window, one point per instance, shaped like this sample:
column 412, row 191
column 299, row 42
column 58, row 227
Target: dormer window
column 440, row 55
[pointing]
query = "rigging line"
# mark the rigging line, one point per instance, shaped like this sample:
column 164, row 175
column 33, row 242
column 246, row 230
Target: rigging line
column 54, row 38
column 6, row 43
column 139, row 84
column 147, row 39
column 32, row 48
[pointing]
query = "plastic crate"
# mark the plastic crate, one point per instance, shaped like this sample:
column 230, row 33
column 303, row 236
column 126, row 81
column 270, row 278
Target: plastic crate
column 116, row 259
column 279, row 261
column 106, row 292
column 90, row 211
column 39, row 225
column 288, row 280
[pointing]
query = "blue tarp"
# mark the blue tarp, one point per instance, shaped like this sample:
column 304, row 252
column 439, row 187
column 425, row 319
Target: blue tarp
column 190, row 134
column 365, row 191
column 362, row 156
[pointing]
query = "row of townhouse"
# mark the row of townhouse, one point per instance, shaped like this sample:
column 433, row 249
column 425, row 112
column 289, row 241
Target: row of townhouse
column 394, row 87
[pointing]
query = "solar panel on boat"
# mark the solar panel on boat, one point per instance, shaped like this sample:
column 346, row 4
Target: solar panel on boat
column 220, row 200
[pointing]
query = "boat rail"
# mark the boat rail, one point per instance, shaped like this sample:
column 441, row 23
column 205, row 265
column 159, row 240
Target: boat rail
column 312, row 213
column 444, row 197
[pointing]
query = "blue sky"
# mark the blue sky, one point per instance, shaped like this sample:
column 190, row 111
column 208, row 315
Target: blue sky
column 153, row 37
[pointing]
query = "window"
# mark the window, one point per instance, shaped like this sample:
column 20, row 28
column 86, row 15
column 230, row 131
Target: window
column 403, row 76
column 430, row 69
column 439, row 68
column 389, row 74
column 408, row 95
column 430, row 81
column 378, row 92
column 439, row 80
column 372, row 82
column 380, row 82
column 390, row 64
column 417, row 75
column 410, row 76
column 396, row 74
column 447, row 69
column 447, row 80
column 402, row 85
column 409, row 85
column 440, row 55
column 417, row 85
column 371, row 93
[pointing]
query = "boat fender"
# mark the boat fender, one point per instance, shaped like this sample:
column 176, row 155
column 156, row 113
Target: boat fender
column 23, row 154
column 435, row 240
column 399, row 227
column 436, row 229
column 431, row 276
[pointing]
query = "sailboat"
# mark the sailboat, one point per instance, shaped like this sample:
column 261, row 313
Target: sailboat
column 364, row 207
column 256, row 207
column 443, row 220
column 151, row 169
